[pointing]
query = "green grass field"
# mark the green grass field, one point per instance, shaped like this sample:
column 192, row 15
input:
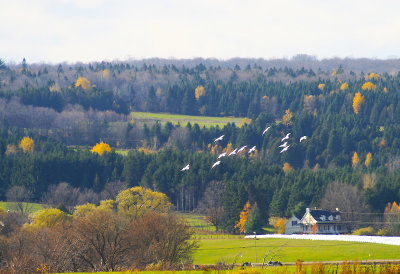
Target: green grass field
column 243, row 250
column 31, row 207
column 148, row 117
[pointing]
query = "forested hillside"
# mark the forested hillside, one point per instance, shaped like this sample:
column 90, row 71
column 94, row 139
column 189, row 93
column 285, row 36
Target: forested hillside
column 351, row 120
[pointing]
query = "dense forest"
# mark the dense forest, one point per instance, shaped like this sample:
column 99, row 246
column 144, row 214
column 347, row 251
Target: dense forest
column 351, row 120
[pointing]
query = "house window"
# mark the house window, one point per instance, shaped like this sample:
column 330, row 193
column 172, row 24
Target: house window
column 339, row 227
column 294, row 223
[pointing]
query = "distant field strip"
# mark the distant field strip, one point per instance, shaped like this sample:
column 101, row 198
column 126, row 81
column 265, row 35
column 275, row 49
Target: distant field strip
column 346, row 238
column 149, row 117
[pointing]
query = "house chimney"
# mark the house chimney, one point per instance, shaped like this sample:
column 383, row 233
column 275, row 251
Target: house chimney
column 337, row 209
column 315, row 208
column 307, row 210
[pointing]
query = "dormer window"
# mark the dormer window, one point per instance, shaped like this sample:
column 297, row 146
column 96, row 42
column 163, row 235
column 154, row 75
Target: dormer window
column 337, row 217
column 323, row 217
column 330, row 218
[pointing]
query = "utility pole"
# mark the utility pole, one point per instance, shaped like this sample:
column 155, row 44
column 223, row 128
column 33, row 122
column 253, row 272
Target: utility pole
column 255, row 245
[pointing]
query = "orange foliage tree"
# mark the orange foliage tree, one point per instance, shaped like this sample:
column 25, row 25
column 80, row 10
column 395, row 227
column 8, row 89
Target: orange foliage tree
column 368, row 159
column 357, row 102
column 27, row 144
column 321, row 86
column 101, row 148
column 391, row 219
column 355, row 160
column 287, row 118
column 287, row 167
column 243, row 217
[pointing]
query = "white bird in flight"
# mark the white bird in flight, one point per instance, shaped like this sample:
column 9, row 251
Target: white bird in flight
column 222, row 155
column 303, row 138
column 252, row 149
column 286, row 137
column 241, row 149
column 265, row 130
column 185, row 168
column 233, row 152
column 283, row 145
column 219, row 138
column 285, row 148
column 216, row 164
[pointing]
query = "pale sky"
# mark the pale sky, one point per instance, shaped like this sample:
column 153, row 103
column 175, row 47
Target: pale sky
column 55, row 31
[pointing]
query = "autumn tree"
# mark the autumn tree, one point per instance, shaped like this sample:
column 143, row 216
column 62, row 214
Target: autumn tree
column 199, row 91
column 321, row 86
column 136, row 201
column 344, row 86
column 287, row 167
column 309, row 102
column 254, row 223
column 84, row 83
column 27, row 144
column 105, row 74
column 101, row 148
column 355, row 160
column 357, row 102
column 48, row 217
column 391, row 219
column 368, row 159
column 278, row 224
column 287, row 118
column 368, row 86
column 243, row 217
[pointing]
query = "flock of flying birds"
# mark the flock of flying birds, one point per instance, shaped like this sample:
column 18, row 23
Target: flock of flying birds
column 284, row 147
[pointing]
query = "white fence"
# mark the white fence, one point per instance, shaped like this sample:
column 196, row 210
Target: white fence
column 347, row 238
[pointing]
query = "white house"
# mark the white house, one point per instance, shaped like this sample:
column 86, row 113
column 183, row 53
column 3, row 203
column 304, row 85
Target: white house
column 316, row 221
column 292, row 226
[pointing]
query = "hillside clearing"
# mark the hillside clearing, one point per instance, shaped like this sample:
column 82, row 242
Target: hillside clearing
column 183, row 120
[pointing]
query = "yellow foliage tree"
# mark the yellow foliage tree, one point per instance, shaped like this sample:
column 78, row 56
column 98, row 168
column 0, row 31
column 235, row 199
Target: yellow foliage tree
column 199, row 91
column 385, row 89
column 355, row 160
column 368, row 159
column 321, row 86
column 243, row 217
column 287, row 167
column 287, row 118
column 357, row 102
column 48, row 217
column 136, row 201
column 246, row 121
column 280, row 225
column 105, row 74
column 368, row 86
column 83, row 210
column 27, row 144
column 344, row 86
column 101, row 148
column 83, row 83
column 374, row 76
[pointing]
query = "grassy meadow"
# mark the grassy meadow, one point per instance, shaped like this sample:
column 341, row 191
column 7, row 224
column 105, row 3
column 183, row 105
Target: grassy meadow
column 30, row 207
column 149, row 118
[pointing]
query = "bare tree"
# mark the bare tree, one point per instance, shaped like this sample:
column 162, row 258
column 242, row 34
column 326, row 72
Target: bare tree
column 211, row 203
column 20, row 198
column 347, row 199
column 112, row 189
column 62, row 194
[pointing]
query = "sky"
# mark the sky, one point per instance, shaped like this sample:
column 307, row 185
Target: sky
column 53, row 31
